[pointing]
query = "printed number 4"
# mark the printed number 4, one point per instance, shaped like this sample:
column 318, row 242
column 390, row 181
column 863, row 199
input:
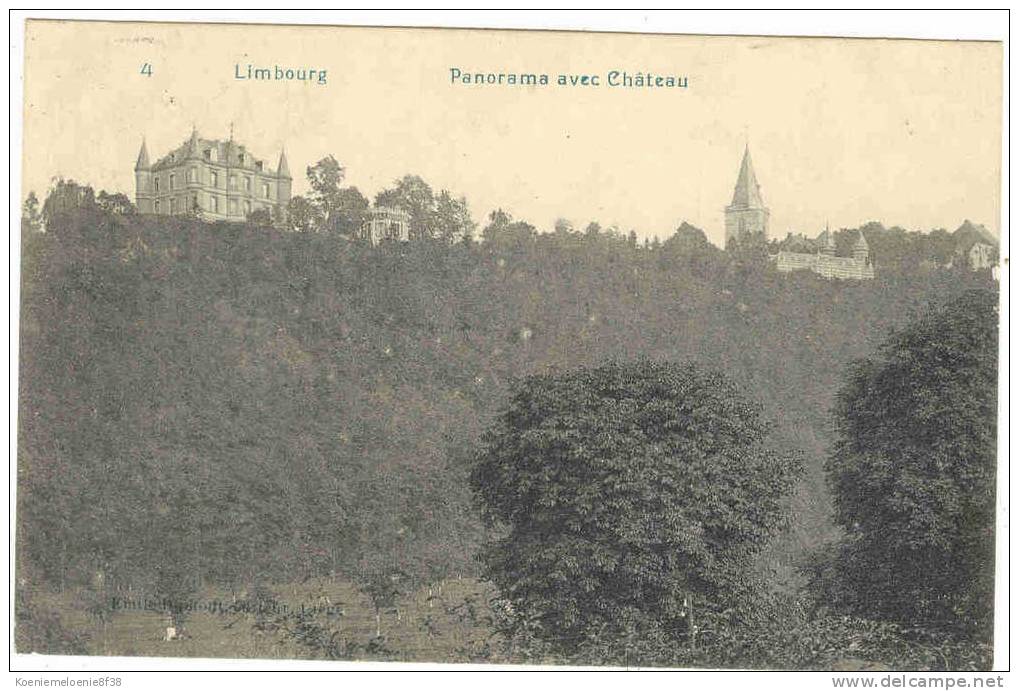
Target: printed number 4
column 147, row 70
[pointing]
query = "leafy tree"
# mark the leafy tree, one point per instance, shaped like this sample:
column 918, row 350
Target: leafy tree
column 303, row 216
column 325, row 178
column 31, row 216
column 351, row 210
column 336, row 209
column 623, row 491
column 116, row 203
column 415, row 196
column 260, row 217
column 453, row 218
column 66, row 196
column 913, row 471
column 504, row 234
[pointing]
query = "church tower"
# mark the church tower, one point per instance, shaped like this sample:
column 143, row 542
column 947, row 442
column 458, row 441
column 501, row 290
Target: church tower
column 746, row 215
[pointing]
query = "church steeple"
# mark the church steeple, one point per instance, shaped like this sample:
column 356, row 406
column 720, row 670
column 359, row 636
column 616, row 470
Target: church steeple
column 747, row 194
column 746, row 215
column 143, row 158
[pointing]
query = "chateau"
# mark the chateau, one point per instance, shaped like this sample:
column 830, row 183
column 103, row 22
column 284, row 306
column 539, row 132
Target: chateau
column 825, row 263
column 219, row 179
column 747, row 216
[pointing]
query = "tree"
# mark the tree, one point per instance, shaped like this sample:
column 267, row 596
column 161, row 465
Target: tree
column 913, row 470
column 261, row 217
column 303, row 216
column 623, row 491
column 325, row 178
column 335, row 209
column 504, row 234
column 66, row 196
column 350, row 212
column 31, row 217
column 115, row 203
column 453, row 219
column 415, row 196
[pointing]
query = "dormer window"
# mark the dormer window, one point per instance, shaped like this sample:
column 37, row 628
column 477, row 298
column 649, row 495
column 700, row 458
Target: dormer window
column 258, row 166
column 208, row 154
column 240, row 157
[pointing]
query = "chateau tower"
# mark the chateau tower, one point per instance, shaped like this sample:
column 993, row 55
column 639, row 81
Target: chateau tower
column 746, row 215
column 143, row 181
column 283, row 175
column 828, row 241
column 861, row 250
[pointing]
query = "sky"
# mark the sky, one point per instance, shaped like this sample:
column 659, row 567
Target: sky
column 841, row 131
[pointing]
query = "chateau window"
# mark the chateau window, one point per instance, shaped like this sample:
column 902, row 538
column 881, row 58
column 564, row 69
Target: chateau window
column 214, row 178
column 247, row 208
column 173, row 205
column 189, row 175
column 247, row 184
column 208, row 154
column 240, row 157
column 213, row 203
column 156, row 181
column 171, row 180
column 233, row 182
column 233, row 207
column 258, row 166
column 156, row 207
column 265, row 190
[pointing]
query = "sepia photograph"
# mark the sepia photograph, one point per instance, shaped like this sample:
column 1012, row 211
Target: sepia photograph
column 504, row 348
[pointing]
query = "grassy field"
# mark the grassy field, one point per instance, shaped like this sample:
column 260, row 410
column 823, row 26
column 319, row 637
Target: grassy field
column 434, row 625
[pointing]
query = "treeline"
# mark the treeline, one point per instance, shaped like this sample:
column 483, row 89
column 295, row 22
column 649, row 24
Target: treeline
column 231, row 403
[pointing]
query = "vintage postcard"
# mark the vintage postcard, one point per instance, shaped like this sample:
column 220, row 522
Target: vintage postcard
column 504, row 347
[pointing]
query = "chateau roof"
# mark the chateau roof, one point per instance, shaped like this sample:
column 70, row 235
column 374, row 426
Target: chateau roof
column 970, row 233
column 747, row 194
column 283, row 170
column 861, row 243
column 143, row 158
column 227, row 152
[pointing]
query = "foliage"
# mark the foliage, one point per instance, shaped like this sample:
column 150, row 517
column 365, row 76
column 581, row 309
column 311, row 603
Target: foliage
column 31, row 215
column 627, row 490
column 116, row 203
column 303, row 216
column 41, row 630
column 432, row 216
column 913, row 472
column 329, row 207
column 247, row 403
column 260, row 217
